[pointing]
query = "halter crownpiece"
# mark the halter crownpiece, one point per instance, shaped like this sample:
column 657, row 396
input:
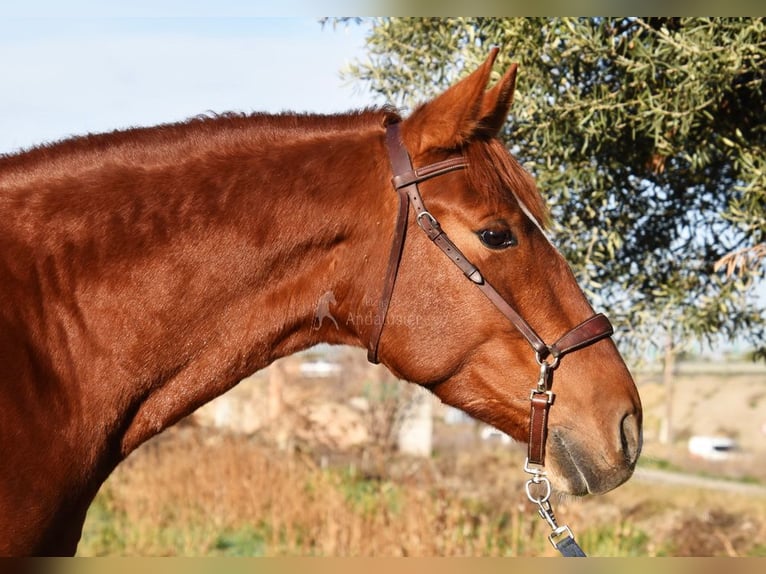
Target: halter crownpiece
column 405, row 181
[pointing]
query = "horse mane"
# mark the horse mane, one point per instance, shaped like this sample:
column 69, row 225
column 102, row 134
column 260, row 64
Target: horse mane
column 174, row 143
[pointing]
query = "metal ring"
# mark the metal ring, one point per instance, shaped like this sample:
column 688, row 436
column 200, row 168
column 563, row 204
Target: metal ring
column 537, row 479
column 544, row 360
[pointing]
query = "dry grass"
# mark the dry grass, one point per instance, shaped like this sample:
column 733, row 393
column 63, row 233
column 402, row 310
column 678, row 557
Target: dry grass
column 198, row 492
column 193, row 492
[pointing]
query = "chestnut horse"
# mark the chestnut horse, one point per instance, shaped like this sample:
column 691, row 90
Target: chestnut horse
column 147, row 271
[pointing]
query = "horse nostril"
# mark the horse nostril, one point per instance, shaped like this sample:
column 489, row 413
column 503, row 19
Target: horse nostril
column 630, row 435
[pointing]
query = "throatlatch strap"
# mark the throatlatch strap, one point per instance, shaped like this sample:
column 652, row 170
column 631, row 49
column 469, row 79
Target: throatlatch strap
column 405, row 181
column 394, row 258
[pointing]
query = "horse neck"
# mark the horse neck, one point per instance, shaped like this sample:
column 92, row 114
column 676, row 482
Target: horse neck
column 316, row 250
column 288, row 253
column 147, row 281
column 183, row 278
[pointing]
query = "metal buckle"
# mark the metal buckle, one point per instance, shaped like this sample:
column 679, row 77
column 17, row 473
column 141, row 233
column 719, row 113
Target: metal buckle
column 431, row 221
column 536, row 470
column 560, row 534
column 534, row 392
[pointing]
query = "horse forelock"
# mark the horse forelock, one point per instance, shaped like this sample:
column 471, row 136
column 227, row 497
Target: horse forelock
column 494, row 173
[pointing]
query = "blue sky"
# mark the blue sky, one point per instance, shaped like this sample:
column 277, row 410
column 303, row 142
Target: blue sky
column 187, row 8
column 73, row 75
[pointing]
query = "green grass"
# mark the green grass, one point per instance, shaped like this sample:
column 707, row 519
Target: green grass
column 622, row 539
column 247, row 541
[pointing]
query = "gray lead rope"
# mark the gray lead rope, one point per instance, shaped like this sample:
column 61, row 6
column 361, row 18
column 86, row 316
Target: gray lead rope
column 570, row 549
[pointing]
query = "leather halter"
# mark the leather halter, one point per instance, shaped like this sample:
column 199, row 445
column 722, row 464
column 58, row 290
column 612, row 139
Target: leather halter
column 405, row 181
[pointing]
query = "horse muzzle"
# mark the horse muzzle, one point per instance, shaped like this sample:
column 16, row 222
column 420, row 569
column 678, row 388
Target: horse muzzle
column 580, row 466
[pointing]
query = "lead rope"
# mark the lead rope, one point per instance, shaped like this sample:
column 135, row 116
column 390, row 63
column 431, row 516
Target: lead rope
column 538, row 487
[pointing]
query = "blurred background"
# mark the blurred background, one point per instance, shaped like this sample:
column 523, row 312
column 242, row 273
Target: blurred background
column 323, row 454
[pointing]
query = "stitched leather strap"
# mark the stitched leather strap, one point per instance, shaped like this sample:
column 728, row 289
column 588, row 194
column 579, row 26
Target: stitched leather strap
column 538, row 426
column 586, row 333
column 434, row 231
column 394, row 258
column 405, row 181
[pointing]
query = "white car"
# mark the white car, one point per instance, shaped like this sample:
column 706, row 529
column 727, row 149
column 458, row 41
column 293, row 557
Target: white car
column 712, row 447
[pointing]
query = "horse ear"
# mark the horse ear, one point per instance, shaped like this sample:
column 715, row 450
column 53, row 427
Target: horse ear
column 496, row 103
column 452, row 117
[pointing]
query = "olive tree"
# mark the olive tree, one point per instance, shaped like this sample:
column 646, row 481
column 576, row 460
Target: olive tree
column 646, row 136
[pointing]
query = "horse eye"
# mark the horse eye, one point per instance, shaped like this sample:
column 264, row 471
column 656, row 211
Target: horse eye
column 497, row 238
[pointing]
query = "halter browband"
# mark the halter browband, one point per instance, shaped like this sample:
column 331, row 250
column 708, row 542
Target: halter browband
column 405, row 181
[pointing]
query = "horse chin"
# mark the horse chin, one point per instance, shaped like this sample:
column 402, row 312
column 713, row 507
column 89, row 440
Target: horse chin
column 577, row 473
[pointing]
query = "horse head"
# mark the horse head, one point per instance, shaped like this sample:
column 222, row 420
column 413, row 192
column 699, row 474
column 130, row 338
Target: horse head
column 443, row 333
